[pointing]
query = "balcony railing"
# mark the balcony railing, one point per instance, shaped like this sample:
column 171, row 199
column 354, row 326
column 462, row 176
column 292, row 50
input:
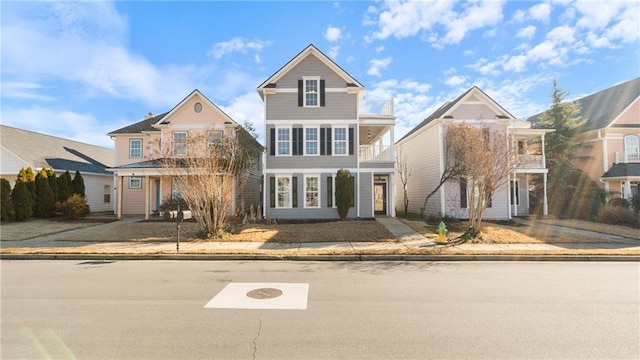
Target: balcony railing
column 375, row 153
column 529, row 162
column 376, row 107
column 627, row 158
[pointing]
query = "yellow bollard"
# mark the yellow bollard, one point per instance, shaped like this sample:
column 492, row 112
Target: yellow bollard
column 442, row 233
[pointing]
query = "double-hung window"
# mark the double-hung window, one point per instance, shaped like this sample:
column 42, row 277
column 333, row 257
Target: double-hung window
column 311, row 140
column 311, row 91
column 340, row 141
column 283, row 191
column 632, row 148
column 179, row 143
column 283, row 141
column 214, row 138
column 311, row 191
column 135, row 148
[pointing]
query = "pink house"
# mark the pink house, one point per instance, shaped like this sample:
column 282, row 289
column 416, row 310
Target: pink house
column 142, row 183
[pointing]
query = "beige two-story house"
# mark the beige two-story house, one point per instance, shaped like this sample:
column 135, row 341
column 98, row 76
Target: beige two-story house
column 143, row 181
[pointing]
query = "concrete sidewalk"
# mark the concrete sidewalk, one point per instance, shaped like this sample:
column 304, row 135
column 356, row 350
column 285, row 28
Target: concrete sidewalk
column 408, row 239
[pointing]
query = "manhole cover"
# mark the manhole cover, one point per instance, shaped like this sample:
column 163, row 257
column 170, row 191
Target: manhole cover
column 264, row 293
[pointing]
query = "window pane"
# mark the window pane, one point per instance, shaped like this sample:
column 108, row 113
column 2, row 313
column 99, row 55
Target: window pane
column 284, row 192
column 341, row 134
column 312, row 195
column 283, row 141
column 135, row 148
column 311, row 92
column 341, row 148
column 311, row 137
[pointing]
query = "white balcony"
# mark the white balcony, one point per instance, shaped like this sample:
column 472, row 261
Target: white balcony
column 376, row 108
column 376, row 153
column 529, row 162
column 627, row 158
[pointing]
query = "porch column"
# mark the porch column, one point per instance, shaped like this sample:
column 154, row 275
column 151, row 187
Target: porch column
column 393, row 148
column 627, row 190
column 513, row 194
column 147, row 186
column 545, row 206
column 392, row 195
column 119, row 196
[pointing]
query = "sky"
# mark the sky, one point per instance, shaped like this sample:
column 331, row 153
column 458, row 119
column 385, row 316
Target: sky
column 80, row 70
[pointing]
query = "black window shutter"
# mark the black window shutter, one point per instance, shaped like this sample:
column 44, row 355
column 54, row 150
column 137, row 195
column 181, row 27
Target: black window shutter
column 322, row 147
column 463, row 193
column 300, row 93
column 300, row 140
column 328, row 139
column 272, row 192
column 272, row 141
column 329, row 192
column 296, row 139
column 322, row 101
column 351, row 141
column 294, row 191
column 353, row 191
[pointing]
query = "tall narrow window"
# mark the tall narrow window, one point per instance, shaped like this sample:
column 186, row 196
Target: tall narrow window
column 284, row 141
column 340, row 141
column 463, row 193
column 311, row 92
column 107, row 194
column 515, row 192
column 311, row 141
column 632, row 148
column 283, row 190
column 179, row 143
column 135, row 148
column 311, row 191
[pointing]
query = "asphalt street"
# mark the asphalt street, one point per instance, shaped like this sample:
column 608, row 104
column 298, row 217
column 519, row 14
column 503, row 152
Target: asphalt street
column 328, row 310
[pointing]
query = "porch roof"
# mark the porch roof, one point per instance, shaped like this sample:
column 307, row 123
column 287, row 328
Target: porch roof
column 623, row 170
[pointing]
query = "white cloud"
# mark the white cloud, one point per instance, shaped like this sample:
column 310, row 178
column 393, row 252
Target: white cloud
column 333, row 52
column 526, row 32
column 408, row 18
column 63, row 123
column 378, row 64
column 455, row 80
column 561, row 34
column 333, row 34
column 519, row 16
column 516, row 63
column 597, row 14
column 543, row 51
column 540, row 12
column 349, row 59
column 380, row 48
column 247, row 108
column 24, row 90
column 237, row 44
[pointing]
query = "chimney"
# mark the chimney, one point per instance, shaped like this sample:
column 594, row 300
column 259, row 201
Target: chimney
column 148, row 116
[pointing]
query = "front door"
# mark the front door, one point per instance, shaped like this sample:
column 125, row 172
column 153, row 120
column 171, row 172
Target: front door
column 380, row 198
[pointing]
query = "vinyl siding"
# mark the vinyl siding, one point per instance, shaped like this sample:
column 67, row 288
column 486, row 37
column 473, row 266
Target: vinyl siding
column 474, row 112
column 423, row 157
column 498, row 211
column 311, row 66
column 284, row 106
column 366, row 195
column 631, row 116
column 133, row 199
column 94, row 190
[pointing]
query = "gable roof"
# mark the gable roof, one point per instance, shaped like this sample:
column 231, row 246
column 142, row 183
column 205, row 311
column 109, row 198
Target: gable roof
column 40, row 150
column 309, row 50
column 447, row 106
column 139, row 127
column 166, row 118
column 603, row 107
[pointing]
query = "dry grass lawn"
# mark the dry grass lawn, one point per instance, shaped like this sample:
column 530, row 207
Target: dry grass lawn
column 35, row 228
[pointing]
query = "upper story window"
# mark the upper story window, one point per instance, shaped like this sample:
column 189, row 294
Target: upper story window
column 311, row 91
column 135, row 148
column 283, row 141
column 179, row 143
column 340, row 141
column 311, row 141
column 213, row 139
column 632, row 148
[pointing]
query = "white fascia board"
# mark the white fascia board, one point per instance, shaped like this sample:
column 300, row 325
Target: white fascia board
column 311, row 122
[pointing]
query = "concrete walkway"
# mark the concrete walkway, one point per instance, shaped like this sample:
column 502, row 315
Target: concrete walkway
column 407, row 239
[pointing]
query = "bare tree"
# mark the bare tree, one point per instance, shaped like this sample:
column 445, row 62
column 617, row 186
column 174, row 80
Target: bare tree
column 453, row 169
column 486, row 162
column 403, row 168
column 210, row 167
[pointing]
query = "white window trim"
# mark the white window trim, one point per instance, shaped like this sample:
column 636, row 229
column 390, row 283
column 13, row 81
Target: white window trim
column 131, row 179
column 212, row 142
column 304, row 90
column 319, row 192
column 637, row 147
column 131, row 148
column 317, row 140
column 334, row 141
column 173, row 142
column 290, row 206
column 278, row 140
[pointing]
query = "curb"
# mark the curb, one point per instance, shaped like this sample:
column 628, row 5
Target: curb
column 352, row 258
